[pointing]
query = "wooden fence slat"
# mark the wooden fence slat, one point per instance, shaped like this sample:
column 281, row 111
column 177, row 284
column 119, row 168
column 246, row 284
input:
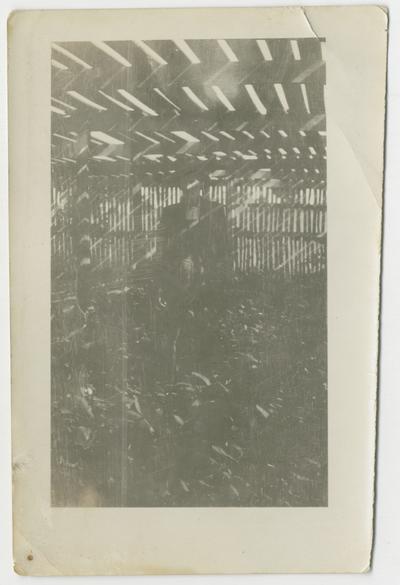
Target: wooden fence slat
column 268, row 232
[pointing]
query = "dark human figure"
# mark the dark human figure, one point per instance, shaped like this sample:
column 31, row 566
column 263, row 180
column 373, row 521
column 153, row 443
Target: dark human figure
column 194, row 238
column 194, row 265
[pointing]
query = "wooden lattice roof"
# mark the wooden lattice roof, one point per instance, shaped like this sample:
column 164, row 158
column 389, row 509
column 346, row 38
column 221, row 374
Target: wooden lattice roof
column 218, row 108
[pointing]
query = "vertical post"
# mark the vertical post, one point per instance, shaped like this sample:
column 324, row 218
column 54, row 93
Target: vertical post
column 124, row 422
column 125, row 349
column 82, row 234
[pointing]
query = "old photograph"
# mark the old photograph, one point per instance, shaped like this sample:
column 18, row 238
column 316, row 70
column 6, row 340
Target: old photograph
column 188, row 273
column 195, row 238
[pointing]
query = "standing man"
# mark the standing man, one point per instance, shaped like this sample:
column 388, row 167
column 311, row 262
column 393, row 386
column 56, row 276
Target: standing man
column 194, row 243
column 194, row 265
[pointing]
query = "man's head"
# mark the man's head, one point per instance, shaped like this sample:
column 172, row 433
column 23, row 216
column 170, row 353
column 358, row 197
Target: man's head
column 192, row 190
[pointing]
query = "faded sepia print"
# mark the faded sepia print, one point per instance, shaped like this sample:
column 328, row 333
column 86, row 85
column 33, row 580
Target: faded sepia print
column 188, row 273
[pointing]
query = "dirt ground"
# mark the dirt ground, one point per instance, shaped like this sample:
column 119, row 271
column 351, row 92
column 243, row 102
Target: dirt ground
column 217, row 401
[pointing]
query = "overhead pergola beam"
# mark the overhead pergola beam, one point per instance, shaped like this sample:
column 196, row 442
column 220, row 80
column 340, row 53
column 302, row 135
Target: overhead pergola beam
column 263, row 98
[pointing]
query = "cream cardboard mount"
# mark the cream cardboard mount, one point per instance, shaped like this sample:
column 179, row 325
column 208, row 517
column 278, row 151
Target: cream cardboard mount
column 322, row 110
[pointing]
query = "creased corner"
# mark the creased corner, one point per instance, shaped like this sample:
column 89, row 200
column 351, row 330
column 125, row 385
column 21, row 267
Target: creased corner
column 28, row 560
column 310, row 26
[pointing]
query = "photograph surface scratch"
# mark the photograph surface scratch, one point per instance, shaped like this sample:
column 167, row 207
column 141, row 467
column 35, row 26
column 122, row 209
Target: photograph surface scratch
column 189, row 273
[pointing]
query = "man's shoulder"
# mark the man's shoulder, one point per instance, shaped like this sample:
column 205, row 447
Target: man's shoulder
column 171, row 214
column 212, row 206
column 172, row 210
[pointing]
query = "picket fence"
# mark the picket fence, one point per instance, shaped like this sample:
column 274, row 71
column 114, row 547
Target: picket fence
column 271, row 230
